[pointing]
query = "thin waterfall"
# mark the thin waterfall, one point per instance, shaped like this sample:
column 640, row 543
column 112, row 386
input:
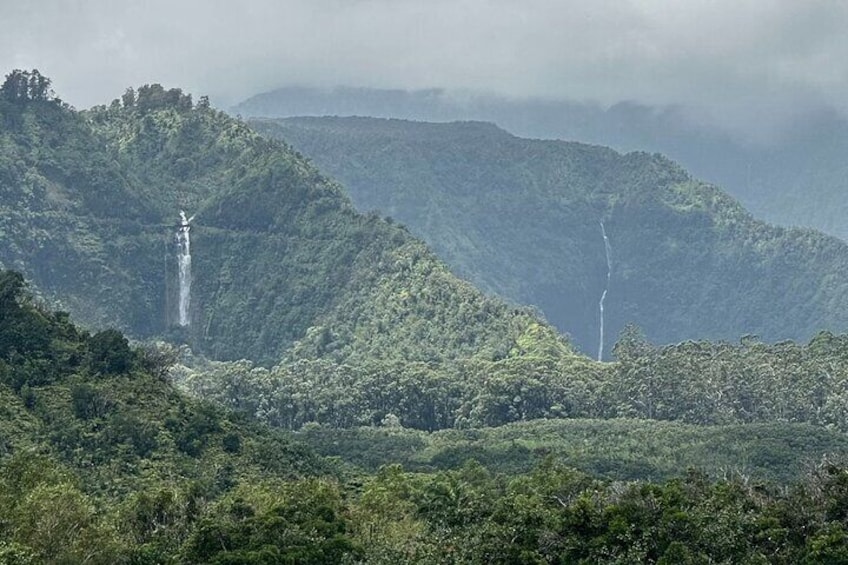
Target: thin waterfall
column 184, row 268
column 608, row 252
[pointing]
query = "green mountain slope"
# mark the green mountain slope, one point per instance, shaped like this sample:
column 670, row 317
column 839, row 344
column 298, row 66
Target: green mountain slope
column 103, row 461
column 90, row 211
column 792, row 174
column 107, row 410
column 523, row 218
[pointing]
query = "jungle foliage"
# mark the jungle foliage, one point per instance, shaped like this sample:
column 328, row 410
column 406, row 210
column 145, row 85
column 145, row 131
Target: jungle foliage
column 521, row 218
column 103, row 462
column 364, row 352
column 282, row 264
column 618, row 449
column 703, row 383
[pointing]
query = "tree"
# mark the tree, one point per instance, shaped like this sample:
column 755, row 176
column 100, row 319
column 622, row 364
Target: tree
column 158, row 358
column 23, row 329
column 631, row 344
column 15, row 86
column 88, row 402
column 61, row 524
column 298, row 522
column 109, row 353
column 26, row 85
column 128, row 98
column 39, row 86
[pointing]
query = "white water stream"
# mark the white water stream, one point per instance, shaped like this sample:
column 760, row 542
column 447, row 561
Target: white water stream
column 608, row 251
column 184, row 266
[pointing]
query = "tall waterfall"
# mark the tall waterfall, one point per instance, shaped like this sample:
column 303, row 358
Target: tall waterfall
column 608, row 252
column 184, row 268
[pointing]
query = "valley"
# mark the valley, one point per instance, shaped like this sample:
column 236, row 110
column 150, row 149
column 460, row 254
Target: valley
column 213, row 352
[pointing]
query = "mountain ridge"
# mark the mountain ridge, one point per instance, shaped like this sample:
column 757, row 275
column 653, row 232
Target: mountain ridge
column 91, row 208
column 791, row 173
column 522, row 218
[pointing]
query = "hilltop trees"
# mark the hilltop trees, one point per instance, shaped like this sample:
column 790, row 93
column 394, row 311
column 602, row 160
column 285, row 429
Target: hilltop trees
column 152, row 97
column 26, row 85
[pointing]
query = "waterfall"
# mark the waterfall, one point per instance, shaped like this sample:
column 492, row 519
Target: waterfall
column 184, row 268
column 608, row 252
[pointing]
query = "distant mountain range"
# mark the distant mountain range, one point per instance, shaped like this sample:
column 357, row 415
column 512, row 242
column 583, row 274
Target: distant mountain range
column 529, row 220
column 795, row 177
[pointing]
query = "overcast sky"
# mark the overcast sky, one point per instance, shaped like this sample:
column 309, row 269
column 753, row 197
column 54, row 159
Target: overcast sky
column 732, row 59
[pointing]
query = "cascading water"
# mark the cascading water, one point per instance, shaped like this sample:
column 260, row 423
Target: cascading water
column 184, row 268
column 608, row 252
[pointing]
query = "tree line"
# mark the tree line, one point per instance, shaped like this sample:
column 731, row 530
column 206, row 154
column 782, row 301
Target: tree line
column 694, row 382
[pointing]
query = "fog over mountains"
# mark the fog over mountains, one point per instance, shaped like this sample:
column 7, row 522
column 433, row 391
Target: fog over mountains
column 748, row 95
column 793, row 175
column 744, row 65
column 538, row 283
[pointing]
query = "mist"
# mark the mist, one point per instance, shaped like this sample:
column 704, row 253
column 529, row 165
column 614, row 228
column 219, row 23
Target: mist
column 747, row 66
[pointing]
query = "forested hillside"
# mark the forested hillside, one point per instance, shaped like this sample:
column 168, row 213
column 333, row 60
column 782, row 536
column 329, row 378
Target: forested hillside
column 101, row 461
column 760, row 405
column 280, row 262
column 366, row 353
column 791, row 172
column 527, row 219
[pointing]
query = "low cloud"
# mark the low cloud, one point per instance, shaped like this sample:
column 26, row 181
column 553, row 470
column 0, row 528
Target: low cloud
column 736, row 63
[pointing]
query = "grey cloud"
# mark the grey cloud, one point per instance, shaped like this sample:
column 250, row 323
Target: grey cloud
column 730, row 61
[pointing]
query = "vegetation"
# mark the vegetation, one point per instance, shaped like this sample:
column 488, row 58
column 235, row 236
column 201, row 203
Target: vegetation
column 521, row 218
column 792, row 175
column 283, row 266
column 693, row 382
column 619, row 449
column 556, row 515
column 103, row 463
column 101, row 460
column 366, row 352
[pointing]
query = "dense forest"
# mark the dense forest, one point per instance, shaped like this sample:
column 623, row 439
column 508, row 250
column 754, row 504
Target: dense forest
column 694, row 382
column 338, row 396
column 102, row 461
column 791, row 173
column 529, row 219
column 765, row 410
column 283, row 266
